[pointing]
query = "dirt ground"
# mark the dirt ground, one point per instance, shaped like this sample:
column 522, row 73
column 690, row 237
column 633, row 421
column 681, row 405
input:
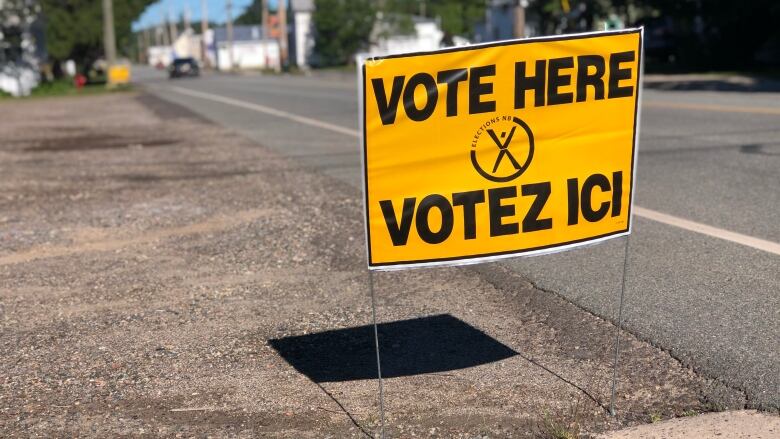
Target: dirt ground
column 161, row 276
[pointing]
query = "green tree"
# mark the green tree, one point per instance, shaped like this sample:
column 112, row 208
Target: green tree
column 457, row 17
column 557, row 16
column 699, row 34
column 720, row 34
column 15, row 16
column 341, row 29
column 74, row 28
column 253, row 14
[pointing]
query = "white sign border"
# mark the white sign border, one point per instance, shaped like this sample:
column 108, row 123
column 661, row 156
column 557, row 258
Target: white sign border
column 471, row 260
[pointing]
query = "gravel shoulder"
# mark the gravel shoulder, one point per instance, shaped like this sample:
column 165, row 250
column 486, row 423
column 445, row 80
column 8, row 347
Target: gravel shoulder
column 164, row 277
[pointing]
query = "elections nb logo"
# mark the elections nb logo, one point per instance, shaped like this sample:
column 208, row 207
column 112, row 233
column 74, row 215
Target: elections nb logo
column 502, row 148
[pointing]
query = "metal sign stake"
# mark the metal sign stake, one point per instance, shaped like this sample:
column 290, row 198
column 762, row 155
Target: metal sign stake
column 378, row 360
column 619, row 327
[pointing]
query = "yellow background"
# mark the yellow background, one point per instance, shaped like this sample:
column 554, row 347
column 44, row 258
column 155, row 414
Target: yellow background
column 416, row 159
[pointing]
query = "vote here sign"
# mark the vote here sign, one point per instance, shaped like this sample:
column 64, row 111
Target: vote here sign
column 510, row 148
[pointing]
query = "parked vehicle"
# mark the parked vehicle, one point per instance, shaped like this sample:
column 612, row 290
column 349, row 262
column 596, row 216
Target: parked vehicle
column 183, row 67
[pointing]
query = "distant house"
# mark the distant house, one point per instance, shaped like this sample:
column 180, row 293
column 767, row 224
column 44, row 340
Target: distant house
column 187, row 45
column 159, row 56
column 249, row 49
column 499, row 23
column 425, row 35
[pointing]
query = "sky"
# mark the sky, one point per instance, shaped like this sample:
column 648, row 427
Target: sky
column 216, row 10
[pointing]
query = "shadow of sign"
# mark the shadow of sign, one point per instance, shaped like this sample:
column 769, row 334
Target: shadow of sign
column 407, row 347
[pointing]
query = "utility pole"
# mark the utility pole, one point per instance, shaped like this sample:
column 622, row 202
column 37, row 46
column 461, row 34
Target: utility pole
column 173, row 26
column 140, row 45
column 204, row 27
column 186, row 16
column 109, row 41
column 230, row 32
column 264, row 18
column 520, row 18
column 166, row 40
column 282, row 14
column 147, row 43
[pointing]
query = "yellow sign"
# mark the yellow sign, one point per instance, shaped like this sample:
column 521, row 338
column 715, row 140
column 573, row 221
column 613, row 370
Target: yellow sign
column 119, row 74
column 509, row 148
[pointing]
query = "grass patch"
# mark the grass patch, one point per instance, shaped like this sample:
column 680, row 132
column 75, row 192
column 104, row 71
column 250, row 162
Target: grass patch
column 556, row 428
column 65, row 87
column 655, row 417
column 565, row 424
column 345, row 68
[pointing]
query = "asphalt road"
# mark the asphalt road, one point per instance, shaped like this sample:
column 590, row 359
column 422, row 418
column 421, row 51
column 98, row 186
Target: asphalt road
column 708, row 295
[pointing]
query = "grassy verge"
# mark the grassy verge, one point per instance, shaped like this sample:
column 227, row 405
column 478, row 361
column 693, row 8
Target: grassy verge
column 346, row 68
column 64, row 87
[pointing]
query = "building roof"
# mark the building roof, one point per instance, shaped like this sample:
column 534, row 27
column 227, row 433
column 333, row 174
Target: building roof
column 302, row 5
column 240, row 33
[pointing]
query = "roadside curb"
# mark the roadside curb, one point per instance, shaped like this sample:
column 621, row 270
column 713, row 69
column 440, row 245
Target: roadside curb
column 732, row 424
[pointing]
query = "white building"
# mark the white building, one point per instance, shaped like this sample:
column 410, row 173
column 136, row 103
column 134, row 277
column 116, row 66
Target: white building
column 248, row 55
column 187, row 45
column 159, row 56
column 426, row 35
column 250, row 50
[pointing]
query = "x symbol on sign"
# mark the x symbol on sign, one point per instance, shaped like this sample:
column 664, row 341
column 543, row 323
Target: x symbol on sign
column 504, row 147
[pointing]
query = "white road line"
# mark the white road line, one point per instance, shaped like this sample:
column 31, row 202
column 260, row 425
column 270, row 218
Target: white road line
column 726, row 235
column 704, row 229
column 711, row 107
column 268, row 110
